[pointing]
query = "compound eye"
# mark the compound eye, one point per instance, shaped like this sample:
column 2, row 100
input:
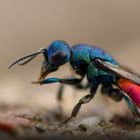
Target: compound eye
column 59, row 58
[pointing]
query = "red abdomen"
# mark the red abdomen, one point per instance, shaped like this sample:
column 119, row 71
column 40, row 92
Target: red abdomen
column 132, row 90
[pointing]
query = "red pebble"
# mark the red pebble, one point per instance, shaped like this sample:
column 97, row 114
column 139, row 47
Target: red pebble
column 11, row 124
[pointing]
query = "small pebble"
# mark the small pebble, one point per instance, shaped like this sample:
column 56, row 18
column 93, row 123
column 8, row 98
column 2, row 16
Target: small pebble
column 83, row 127
column 40, row 128
column 86, row 123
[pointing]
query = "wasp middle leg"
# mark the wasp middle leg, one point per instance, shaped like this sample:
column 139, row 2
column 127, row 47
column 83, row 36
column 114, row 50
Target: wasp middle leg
column 82, row 101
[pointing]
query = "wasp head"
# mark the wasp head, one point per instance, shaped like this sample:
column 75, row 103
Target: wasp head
column 58, row 54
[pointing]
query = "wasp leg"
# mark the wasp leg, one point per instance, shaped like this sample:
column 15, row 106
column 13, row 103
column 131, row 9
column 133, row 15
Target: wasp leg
column 131, row 105
column 74, row 82
column 78, row 86
column 106, row 89
column 109, row 90
column 70, row 81
column 132, row 108
column 114, row 93
column 82, row 101
column 59, row 99
column 118, row 95
column 60, row 93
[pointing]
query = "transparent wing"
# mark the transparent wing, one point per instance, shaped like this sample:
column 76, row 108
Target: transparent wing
column 118, row 70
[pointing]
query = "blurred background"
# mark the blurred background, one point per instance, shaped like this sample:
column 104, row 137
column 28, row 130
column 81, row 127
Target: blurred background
column 28, row 25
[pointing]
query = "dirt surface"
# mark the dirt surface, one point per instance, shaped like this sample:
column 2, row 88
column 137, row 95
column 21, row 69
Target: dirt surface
column 23, row 123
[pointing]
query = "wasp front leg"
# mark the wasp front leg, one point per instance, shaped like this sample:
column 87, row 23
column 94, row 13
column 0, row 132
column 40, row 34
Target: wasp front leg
column 69, row 81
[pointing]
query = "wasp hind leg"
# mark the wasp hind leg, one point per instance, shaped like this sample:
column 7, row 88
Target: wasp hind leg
column 132, row 108
column 114, row 93
column 118, row 95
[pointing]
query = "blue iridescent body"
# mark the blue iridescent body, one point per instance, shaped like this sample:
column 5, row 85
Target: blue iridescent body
column 80, row 57
column 87, row 61
column 83, row 55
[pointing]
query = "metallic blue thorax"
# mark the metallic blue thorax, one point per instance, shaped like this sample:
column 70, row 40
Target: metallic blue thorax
column 83, row 56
